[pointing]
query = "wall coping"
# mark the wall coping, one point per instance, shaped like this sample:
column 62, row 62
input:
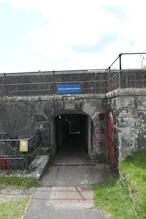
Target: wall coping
column 126, row 92
column 50, row 97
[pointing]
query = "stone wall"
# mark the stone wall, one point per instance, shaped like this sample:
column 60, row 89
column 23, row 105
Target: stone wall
column 21, row 117
column 45, row 82
column 129, row 110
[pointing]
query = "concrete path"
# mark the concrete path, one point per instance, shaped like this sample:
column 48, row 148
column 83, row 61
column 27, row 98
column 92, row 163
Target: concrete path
column 72, row 167
column 67, row 191
column 75, row 175
column 63, row 203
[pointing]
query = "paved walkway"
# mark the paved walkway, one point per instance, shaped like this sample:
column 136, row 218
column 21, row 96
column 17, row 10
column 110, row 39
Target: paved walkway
column 63, row 203
column 67, row 191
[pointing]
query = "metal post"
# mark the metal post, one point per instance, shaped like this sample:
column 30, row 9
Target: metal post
column 120, row 63
column 120, row 68
column 54, row 91
column 126, row 80
column 53, row 82
column 109, row 69
column 5, row 87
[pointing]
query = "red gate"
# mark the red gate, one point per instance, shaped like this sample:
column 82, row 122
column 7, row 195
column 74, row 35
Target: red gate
column 110, row 136
column 3, row 163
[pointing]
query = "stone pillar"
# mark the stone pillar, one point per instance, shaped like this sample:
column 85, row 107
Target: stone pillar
column 95, row 135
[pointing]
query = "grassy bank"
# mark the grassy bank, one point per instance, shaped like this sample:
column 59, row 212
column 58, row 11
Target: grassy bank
column 125, row 198
column 13, row 209
column 133, row 170
column 113, row 197
column 18, row 181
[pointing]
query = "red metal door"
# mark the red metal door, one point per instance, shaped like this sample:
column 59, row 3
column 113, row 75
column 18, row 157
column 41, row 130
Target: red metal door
column 4, row 163
column 110, row 136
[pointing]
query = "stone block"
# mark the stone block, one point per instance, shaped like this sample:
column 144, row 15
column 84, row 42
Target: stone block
column 39, row 117
column 126, row 102
column 4, row 135
column 127, row 140
column 69, row 103
column 141, row 102
column 127, row 112
column 126, row 122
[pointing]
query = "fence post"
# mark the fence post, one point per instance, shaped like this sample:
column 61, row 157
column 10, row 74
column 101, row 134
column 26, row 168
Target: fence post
column 53, row 82
column 120, row 68
column 126, row 80
column 109, row 69
column 5, row 86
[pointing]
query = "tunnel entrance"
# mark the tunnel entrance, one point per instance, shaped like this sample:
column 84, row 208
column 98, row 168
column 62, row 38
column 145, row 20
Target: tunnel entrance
column 72, row 139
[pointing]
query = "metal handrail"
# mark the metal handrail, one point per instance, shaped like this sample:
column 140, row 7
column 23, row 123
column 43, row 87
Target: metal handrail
column 114, row 75
column 11, row 140
column 14, row 89
column 121, row 54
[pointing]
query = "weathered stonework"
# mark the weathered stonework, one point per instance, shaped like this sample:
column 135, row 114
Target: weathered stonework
column 129, row 109
column 30, row 103
column 21, row 117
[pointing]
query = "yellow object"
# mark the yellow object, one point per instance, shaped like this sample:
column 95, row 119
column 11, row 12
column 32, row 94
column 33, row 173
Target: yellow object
column 23, row 146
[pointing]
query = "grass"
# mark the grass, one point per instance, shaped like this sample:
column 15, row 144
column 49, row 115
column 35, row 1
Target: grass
column 13, row 209
column 113, row 197
column 133, row 170
column 18, row 181
column 125, row 198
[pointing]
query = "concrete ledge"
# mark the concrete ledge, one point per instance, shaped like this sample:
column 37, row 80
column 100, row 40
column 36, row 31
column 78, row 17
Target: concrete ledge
column 126, row 92
column 50, row 97
column 36, row 170
column 38, row 166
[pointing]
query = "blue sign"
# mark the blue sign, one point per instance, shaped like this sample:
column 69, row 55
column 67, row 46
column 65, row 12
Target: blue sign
column 68, row 88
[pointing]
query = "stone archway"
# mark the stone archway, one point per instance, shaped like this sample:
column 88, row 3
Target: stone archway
column 90, row 108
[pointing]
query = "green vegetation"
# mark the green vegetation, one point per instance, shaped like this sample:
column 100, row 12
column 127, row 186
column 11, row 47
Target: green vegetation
column 126, row 197
column 13, row 209
column 18, row 181
column 113, row 197
column 133, row 170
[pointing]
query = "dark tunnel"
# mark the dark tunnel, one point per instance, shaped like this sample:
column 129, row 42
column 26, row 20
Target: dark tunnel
column 71, row 133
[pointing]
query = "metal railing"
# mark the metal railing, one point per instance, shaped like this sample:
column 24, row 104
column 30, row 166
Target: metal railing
column 98, row 81
column 126, row 78
column 12, row 158
column 41, row 89
column 46, row 83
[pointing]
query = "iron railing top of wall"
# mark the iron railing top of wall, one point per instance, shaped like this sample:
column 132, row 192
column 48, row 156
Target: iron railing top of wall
column 80, row 71
column 119, row 59
column 100, row 70
column 95, row 81
column 92, row 81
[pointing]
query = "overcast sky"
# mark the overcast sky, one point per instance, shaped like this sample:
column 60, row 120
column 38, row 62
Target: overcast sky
column 70, row 34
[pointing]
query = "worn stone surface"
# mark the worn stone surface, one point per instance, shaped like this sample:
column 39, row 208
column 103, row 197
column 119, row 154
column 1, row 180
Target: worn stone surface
column 128, row 107
column 21, row 117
